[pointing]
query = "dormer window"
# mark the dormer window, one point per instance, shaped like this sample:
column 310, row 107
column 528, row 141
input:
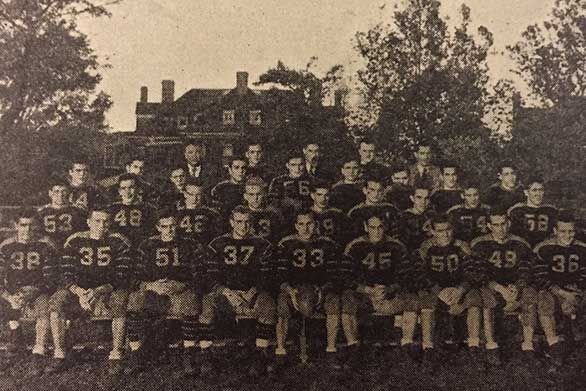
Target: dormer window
column 229, row 117
column 254, row 117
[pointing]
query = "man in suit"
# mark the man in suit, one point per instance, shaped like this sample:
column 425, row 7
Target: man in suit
column 423, row 172
column 195, row 166
column 313, row 163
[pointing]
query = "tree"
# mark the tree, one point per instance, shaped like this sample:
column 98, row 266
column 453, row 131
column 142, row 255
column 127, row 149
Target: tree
column 49, row 72
column 551, row 58
column 423, row 80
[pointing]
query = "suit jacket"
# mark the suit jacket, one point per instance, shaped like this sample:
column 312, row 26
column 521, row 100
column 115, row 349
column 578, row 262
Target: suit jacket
column 432, row 179
column 208, row 175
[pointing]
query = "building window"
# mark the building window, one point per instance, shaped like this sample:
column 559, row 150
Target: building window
column 254, row 117
column 181, row 122
column 229, row 117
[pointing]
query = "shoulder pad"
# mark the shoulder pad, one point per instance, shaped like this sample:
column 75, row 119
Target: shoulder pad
column 81, row 235
column 359, row 239
column 286, row 239
column 546, row 242
column 479, row 239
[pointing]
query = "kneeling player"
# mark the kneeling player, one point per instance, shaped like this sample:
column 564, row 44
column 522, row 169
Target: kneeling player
column 242, row 276
column 95, row 268
column 25, row 265
column 560, row 271
column 308, row 264
column 165, row 273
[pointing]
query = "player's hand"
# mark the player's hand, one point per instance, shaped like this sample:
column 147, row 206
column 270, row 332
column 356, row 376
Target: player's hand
column 293, row 294
column 568, row 296
column 87, row 299
column 16, row 301
column 103, row 289
column 513, row 292
column 379, row 291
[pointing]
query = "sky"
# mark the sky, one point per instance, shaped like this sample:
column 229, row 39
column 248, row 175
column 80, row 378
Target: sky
column 202, row 44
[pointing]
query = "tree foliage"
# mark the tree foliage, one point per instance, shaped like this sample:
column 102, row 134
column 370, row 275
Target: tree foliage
column 422, row 79
column 49, row 72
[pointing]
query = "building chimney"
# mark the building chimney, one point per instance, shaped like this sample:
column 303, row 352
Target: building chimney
column 241, row 83
column 144, row 94
column 168, row 92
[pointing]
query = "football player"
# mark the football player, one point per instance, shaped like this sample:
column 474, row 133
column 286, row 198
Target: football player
column 256, row 167
column 506, row 260
column 308, row 265
column 415, row 227
column 348, row 192
column 399, row 192
column 470, row 217
column 167, row 267
column 131, row 216
column 83, row 193
column 329, row 222
column 59, row 218
column 506, row 192
column 368, row 167
column 373, row 204
column 27, row 272
column 449, row 192
column 267, row 221
column 560, row 271
column 533, row 220
column 194, row 219
column 228, row 194
column 242, row 275
column 95, row 272
column 291, row 191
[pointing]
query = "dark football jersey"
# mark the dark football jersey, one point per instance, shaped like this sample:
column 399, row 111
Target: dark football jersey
column 135, row 221
column 533, row 224
column 226, row 195
column 241, row 264
column 261, row 170
column 374, row 170
column 504, row 262
column 497, row 196
column 344, row 196
column 385, row 262
column 177, row 260
column 559, row 265
column 27, row 264
column 284, row 186
column 201, row 224
column 399, row 195
column 414, row 228
column 59, row 223
column 91, row 262
column 310, row 262
column 87, row 196
column 359, row 214
column 469, row 223
column 267, row 223
column 333, row 223
column 443, row 266
column 441, row 200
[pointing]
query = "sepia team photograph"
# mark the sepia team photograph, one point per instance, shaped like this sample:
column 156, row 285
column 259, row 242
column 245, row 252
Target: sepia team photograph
column 295, row 195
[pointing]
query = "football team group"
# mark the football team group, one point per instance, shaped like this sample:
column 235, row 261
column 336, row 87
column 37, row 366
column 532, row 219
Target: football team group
column 420, row 244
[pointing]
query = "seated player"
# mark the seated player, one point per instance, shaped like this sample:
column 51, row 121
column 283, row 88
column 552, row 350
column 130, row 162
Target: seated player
column 59, row 218
column 194, row 219
column 506, row 192
column 506, row 260
column 533, row 220
column 172, row 193
column 291, row 190
column 444, row 284
column 560, row 273
column 228, row 193
column 380, row 263
column 94, row 269
column 348, row 192
column 83, row 193
column 267, row 221
column 449, row 192
column 167, row 267
column 131, row 216
column 470, row 217
column 415, row 223
column 242, row 274
column 399, row 192
column 329, row 222
column 374, row 204
column 308, row 265
column 27, row 264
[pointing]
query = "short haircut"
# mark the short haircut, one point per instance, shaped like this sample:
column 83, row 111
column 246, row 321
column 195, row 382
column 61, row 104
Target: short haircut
column 175, row 168
column 372, row 178
column 366, row 140
column 399, row 168
column 55, row 180
column 498, row 210
column 504, row 164
column 294, row 154
column 236, row 158
column 164, row 214
column 128, row 158
column 26, row 213
column 349, row 158
column 103, row 208
column 195, row 143
column 126, row 177
column 255, row 181
column 304, row 212
column 319, row 184
column 534, row 178
column 566, row 216
column 77, row 160
column 440, row 218
column 420, row 185
column 194, row 182
column 239, row 209
column 471, row 183
column 450, row 164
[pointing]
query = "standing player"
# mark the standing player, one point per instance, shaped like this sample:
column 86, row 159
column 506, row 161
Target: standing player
column 348, row 192
column 131, row 216
column 399, row 192
column 329, row 222
column 95, row 270
column 166, row 270
column 308, row 266
column 416, row 223
column 228, row 194
column 27, row 265
column 242, row 276
column 291, row 188
column 560, row 273
column 470, row 217
column 506, row 192
column 374, row 205
column 506, row 260
column 194, row 219
column 267, row 221
column 83, row 193
column 449, row 192
column 533, row 220
column 255, row 165
column 59, row 219
column 368, row 167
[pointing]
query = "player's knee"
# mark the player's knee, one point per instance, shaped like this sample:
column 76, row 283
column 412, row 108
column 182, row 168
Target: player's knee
column 349, row 303
column 529, row 296
column 410, row 302
column 332, row 304
column 184, row 305
column 266, row 309
column 489, row 299
column 545, row 304
column 58, row 301
column 135, row 301
column 473, row 298
column 118, row 303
